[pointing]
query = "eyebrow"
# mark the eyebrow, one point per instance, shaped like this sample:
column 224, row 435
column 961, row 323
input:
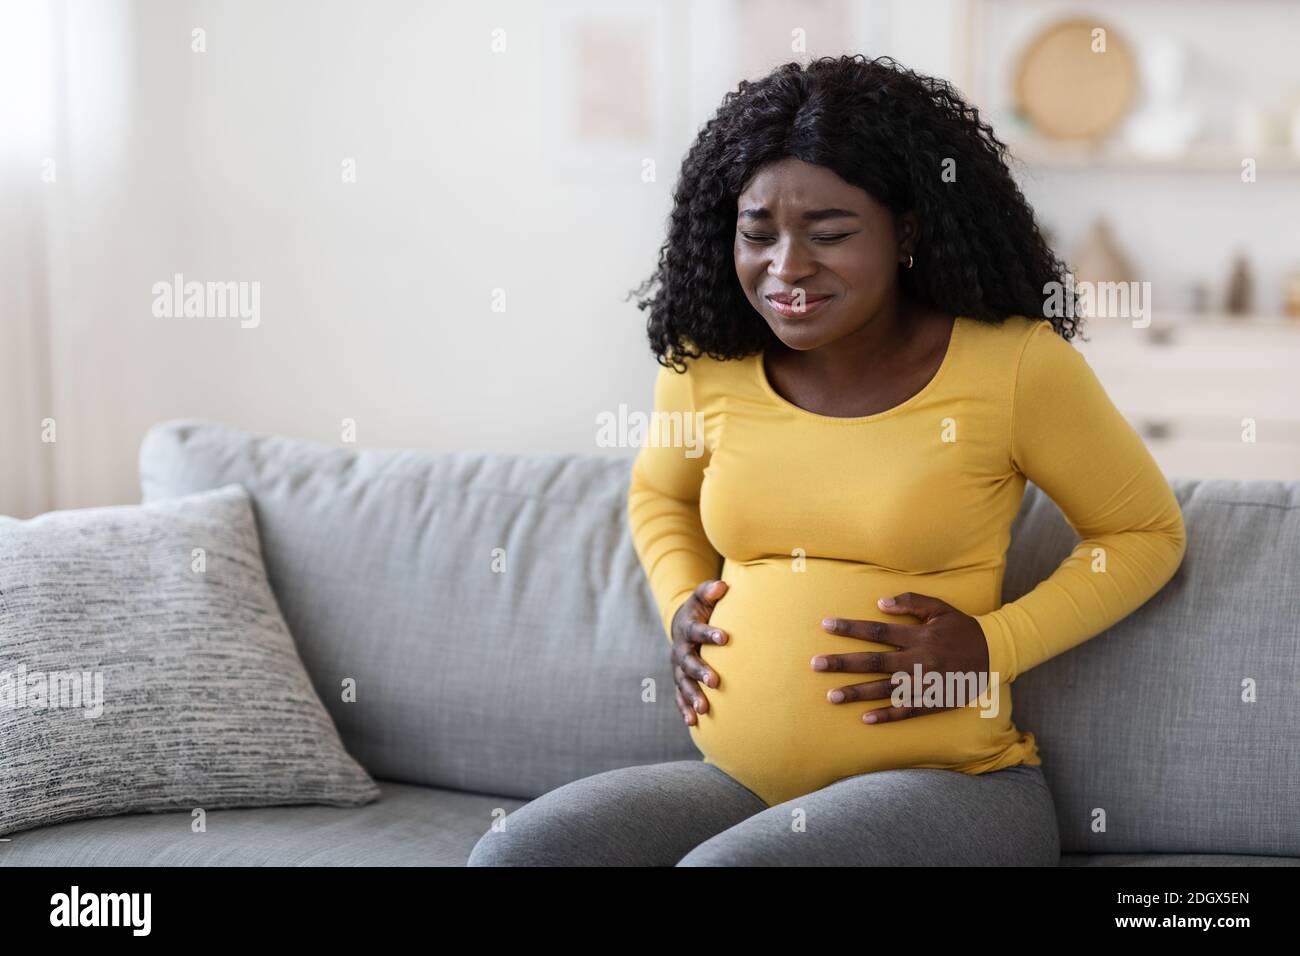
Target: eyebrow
column 812, row 215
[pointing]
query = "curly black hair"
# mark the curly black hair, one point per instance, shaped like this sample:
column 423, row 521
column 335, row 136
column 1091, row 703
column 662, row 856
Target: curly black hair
column 886, row 130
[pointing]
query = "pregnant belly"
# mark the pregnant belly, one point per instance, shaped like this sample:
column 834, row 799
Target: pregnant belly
column 769, row 724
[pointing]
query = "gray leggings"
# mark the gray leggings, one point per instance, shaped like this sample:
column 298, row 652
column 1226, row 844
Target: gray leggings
column 690, row 813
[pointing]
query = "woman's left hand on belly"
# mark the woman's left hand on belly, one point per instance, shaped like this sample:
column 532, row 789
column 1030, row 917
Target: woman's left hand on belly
column 947, row 645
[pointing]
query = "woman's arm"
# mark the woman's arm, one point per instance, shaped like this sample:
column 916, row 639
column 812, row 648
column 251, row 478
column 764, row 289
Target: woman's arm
column 663, row 507
column 1070, row 440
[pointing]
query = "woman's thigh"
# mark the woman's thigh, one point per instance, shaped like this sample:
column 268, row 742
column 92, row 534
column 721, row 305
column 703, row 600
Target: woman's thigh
column 910, row 817
column 649, row 815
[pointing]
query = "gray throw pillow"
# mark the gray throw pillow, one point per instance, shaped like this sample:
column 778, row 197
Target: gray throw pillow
column 145, row 666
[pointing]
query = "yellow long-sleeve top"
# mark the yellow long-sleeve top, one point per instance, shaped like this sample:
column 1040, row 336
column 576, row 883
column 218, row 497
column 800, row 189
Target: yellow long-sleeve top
column 807, row 516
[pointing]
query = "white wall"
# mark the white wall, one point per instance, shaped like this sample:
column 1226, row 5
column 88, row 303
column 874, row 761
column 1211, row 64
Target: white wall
column 376, row 296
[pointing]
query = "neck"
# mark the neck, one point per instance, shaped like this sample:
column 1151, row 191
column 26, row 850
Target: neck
column 882, row 341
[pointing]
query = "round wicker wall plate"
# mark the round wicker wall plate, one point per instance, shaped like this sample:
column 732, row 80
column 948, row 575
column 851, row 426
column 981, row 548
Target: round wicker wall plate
column 1066, row 90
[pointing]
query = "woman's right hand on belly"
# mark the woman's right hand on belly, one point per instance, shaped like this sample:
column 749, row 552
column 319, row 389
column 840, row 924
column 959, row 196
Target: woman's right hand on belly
column 691, row 629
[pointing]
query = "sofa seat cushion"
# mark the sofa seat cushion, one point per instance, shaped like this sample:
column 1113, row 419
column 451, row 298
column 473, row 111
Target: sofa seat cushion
column 407, row 826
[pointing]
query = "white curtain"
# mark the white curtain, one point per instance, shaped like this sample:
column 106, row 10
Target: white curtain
column 26, row 153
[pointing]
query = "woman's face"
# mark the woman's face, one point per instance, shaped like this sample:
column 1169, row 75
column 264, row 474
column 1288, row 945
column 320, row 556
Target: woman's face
column 802, row 229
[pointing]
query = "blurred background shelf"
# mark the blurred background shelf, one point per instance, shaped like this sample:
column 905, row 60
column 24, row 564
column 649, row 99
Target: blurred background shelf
column 1237, row 461
column 1050, row 154
column 1127, row 128
column 1197, row 386
column 1219, row 327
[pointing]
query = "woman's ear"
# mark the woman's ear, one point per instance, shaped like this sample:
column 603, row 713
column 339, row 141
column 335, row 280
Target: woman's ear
column 907, row 229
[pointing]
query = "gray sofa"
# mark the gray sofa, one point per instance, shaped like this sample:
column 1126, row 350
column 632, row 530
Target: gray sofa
column 502, row 638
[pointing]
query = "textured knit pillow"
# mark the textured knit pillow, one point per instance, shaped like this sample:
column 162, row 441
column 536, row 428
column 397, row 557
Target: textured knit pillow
column 145, row 666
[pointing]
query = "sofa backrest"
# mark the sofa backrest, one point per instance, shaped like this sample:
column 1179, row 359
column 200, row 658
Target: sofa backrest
column 502, row 637
column 489, row 607
column 1179, row 726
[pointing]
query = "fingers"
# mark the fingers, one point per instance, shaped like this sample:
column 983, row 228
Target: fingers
column 884, row 715
column 865, row 662
column 701, row 632
column 878, row 632
column 688, row 693
column 709, row 593
column 871, row 690
column 688, row 714
column 689, row 670
column 693, row 666
column 920, row 605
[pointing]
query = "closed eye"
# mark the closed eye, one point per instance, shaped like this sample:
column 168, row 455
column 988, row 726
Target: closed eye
column 823, row 237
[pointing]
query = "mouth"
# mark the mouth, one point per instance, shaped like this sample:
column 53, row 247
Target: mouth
column 786, row 305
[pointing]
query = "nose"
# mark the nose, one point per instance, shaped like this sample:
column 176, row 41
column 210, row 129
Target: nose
column 791, row 262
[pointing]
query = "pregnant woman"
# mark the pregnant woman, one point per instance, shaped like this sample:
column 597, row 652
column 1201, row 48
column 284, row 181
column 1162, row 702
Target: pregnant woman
column 856, row 306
